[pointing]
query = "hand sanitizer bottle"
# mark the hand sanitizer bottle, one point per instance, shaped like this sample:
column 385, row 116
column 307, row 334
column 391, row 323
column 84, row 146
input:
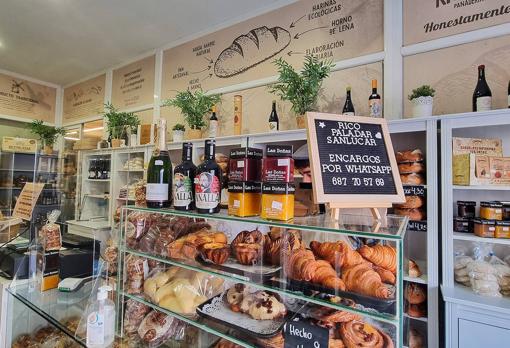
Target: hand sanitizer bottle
column 101, row 320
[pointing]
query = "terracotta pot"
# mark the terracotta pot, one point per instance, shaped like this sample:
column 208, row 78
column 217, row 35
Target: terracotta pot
column 116, row 142
column 193, row 134
column 48, row 149
column 301, row 121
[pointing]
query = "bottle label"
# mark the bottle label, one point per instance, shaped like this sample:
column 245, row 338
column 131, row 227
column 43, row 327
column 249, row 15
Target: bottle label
column 348, row 113
column 375, row 108
column 483, row 103
column 157, row 192
column 207, row 191
column 183, row 193
column 95, row 329
column 273, row 126
column 213, row 129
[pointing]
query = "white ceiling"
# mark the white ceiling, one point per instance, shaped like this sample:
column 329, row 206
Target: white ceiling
column 62, row 41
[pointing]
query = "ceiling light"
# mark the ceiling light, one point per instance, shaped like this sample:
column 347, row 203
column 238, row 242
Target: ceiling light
column 92, row 129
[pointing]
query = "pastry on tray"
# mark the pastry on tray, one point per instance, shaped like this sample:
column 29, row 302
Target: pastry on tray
column 416, row 310
column 259, row 305
column 328, row 317
column 187, row 247
column 248, row 237
column 278, row 245
column 411, row 167
column 413, row 214
column 357, row 333
column 364, row 280
column 412, row 202
column 339, row 254
column 387, row 277
column 414, row 269
column 217, row 253
column 412, row 179
column 384, row 256
column 248, row 254
column 223, row 343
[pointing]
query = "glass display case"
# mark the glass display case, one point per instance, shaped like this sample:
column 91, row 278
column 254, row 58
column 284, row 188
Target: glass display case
column 259, row 283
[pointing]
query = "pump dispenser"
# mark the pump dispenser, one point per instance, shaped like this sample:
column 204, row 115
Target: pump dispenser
column 101, row 320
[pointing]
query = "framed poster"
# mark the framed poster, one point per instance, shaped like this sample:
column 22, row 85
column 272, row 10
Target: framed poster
column 133, row 84
column 84, row 99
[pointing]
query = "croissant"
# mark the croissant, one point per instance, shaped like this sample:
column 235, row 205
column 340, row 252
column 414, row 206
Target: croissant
column 364, row 280
column 301, row 265
column 338, row 254
column 384, row 256
column 387, row 277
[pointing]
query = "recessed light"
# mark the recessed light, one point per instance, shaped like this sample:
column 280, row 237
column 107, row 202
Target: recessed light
column 1, row 44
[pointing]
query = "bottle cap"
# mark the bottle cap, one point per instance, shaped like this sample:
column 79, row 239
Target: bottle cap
column 348, row 89
column 374, row 83
column 213, row 108
column 481, row 66
column 102, row 293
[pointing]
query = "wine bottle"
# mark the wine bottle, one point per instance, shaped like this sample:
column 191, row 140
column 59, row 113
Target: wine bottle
column 374, row 102
column 274, row 123
column 208, row 182
column 213, row 123
column 509, row 94
column 482, row 96
column 184, row 179
column 92, row 168
column 348, row 106
column 159, row 173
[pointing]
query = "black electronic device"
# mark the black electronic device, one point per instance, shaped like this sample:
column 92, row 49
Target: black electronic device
column 77, row 263
column 13, row 263
column 76, row 241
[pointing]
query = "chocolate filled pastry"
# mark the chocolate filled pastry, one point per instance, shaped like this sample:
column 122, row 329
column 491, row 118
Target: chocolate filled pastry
column 280, row 246
column 248, row 237
column 409, row 156
column 413, row 214
column 248, row 254
column 235, row 296
column 412, row 179
column 411, row 167
column 415, row 294
column 217, row 253
column 412, row 202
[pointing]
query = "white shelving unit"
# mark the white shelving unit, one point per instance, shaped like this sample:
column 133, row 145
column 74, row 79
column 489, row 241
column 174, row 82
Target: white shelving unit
column 481, row 321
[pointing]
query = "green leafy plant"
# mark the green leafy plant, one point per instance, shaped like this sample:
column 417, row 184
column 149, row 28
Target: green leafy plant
column 194, row 106
column 118, row 122
column 422, row 91
column 301, row 88
column 47, row 134
column 179, row 127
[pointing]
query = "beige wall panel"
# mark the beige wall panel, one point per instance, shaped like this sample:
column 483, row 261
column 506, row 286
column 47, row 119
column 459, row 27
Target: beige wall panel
column 133, row 84
column 84, row 99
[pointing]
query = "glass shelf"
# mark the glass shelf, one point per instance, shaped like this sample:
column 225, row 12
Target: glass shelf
column 391, row 227
column 198, row 322
column 54, row 306
column 276, row 285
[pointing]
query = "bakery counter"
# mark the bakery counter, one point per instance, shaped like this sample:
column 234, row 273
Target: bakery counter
column 244, row 279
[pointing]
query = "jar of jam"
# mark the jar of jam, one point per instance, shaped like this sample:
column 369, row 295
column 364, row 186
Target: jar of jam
column 491, row 210
column 245, row 164
column 485, row 228
column 244, row 198
column 278, row 165
column 466, row 209
column 502, row 229
column 463, row 224
column 277, row 201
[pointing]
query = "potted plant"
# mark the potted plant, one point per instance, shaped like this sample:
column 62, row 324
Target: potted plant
column 178, row 132
column 301, row 88
column 119, row 123
column 193, row 107
column 422, row 99
column 47, row 134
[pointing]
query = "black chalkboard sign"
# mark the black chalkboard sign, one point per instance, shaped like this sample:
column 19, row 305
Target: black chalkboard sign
column 299, row 333
column 353, row 161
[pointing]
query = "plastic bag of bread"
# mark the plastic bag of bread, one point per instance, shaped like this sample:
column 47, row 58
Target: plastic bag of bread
column 24, row 341
column 180, row 290
column 137, row 270
column 503, row 274
column 156, row 328
column 175, row 228
column 133, row 316
column 49, row 235
column 138, row 223
column 483, row 275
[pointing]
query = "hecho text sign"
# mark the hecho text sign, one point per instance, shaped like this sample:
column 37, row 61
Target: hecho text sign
column 352, row 161
column 301, row 334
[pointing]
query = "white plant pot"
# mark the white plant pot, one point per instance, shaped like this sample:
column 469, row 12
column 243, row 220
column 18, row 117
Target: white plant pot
column 177, row 135
column 422, row 106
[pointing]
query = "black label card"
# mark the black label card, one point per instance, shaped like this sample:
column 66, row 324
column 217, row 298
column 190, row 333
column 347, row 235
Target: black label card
column 415, row 190
column 301, row 334
column 418, row 226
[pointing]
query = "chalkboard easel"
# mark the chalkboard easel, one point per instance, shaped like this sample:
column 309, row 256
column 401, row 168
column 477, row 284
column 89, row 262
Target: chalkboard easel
column 353, row 163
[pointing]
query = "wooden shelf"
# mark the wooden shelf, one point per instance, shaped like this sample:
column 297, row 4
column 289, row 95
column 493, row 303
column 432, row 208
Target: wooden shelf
column 420, row 280
column 423, row 319
column 98, row 180
column 472, row 238
column 465, row 296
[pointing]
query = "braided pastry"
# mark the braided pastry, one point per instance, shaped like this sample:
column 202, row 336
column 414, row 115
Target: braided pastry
column 364, row 280
column 384, row 256
column 338, row 254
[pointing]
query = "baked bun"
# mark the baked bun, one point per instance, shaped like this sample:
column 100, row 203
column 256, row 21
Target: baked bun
column 412, row 202
column 411, row 167
column 413, row 214
column 414, row 269
column 248, row 254
column 251, row 49
column 414, row 294
column 416, row 311
column 415, row 339
column 412, row 179
column 409, row 156
column 218, row 253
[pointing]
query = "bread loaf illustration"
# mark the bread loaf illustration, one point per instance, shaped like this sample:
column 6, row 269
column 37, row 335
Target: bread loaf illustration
column 251, row 49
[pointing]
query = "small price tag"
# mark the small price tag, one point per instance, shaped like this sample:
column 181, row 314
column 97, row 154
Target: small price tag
column 301, row 334
column 418, row 226
column 414, row 191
